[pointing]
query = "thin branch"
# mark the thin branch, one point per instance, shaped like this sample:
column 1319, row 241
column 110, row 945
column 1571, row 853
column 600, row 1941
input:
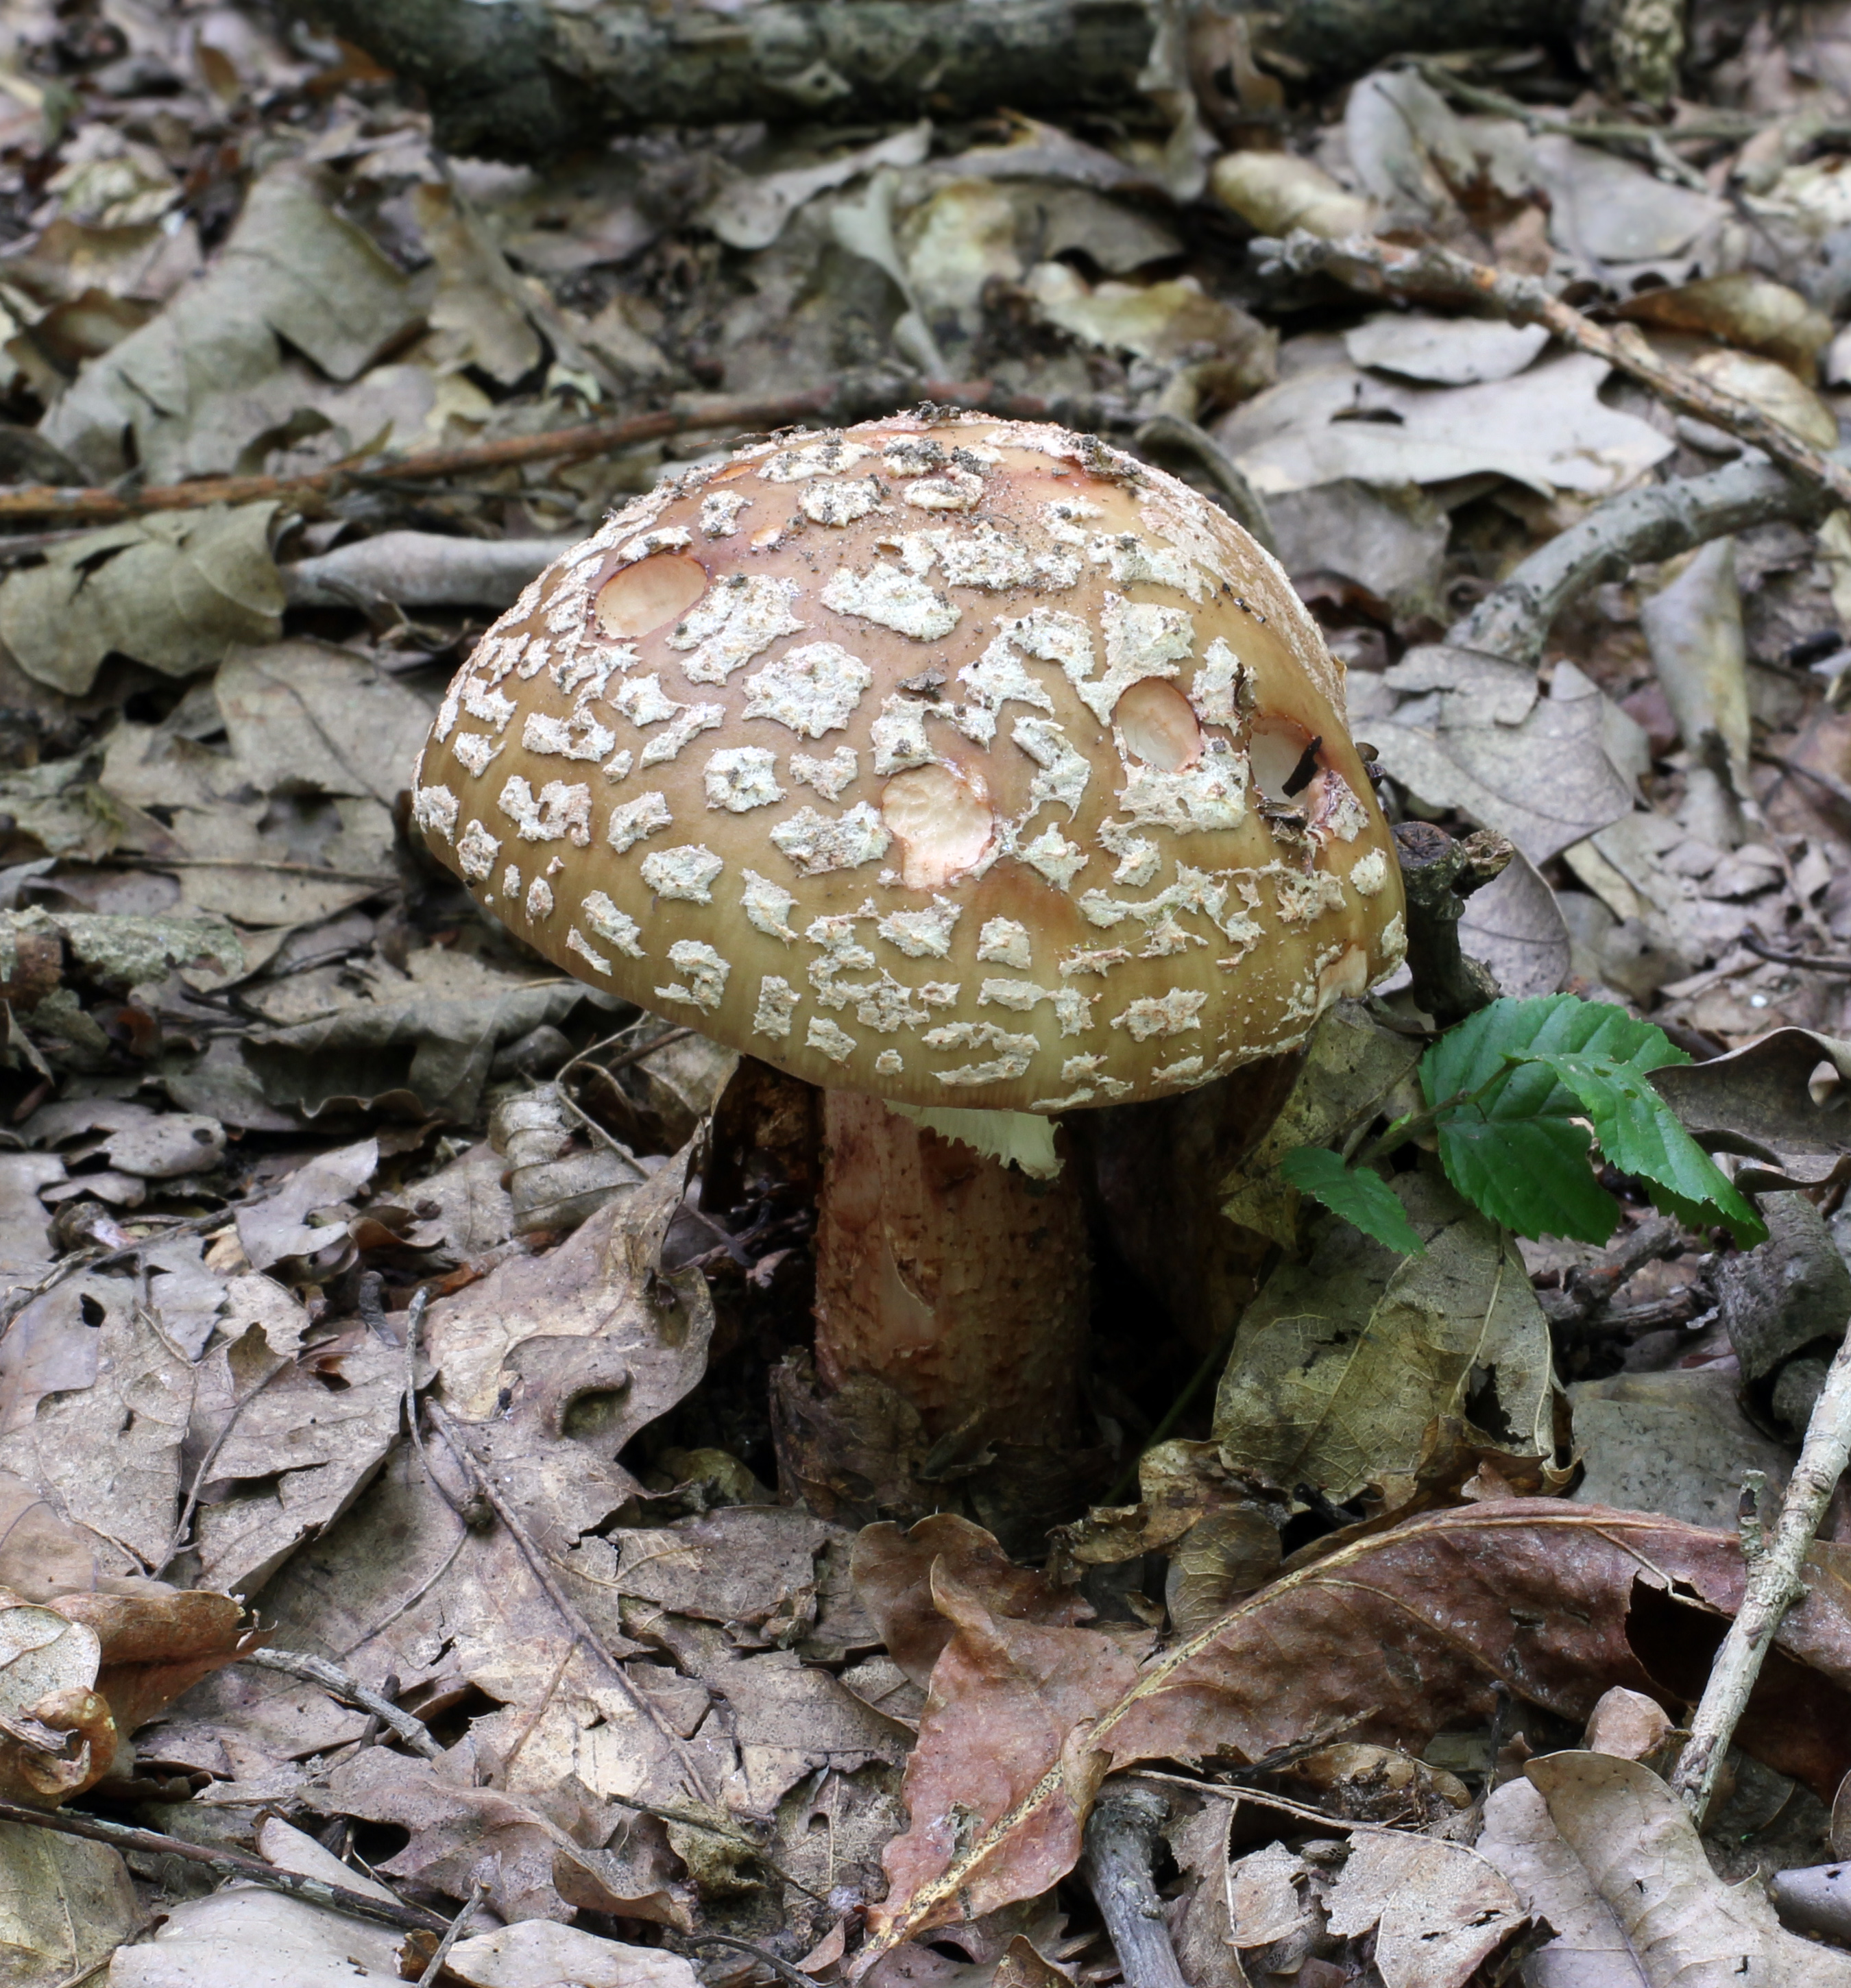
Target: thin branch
column 851, row 397
column 1773, row 1585
column 1121, row 1836
column 178, row 1539
column 1248, row 506
column 1820, row 962
column 478, row 1890
column 763, row 1954
column 1827, row 783
column 21, row 1295
column 1655, row 522
column 229, row 1864
column 1366, row 263
column 332, row 1678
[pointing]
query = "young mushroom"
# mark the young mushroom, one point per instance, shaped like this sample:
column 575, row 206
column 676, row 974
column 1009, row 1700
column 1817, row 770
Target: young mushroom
column 945, row 763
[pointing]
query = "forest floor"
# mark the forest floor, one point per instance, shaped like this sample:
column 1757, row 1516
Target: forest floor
column 391, row 1490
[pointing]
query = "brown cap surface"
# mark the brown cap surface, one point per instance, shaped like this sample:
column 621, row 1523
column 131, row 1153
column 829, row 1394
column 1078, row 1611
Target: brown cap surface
column 966, row 762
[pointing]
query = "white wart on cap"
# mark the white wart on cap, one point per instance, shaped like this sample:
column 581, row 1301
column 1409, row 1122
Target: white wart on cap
column 965, row 762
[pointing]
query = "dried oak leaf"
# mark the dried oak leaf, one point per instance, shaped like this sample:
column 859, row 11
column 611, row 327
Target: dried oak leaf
column 532, row 1868
column 1604, row 1850
column 1393, row 1635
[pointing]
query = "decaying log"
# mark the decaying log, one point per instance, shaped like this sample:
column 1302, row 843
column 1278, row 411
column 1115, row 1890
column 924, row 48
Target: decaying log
column 516, row 78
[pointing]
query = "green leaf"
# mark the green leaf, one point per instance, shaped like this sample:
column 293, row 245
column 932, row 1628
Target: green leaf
column 1636, row 1130
column 1526, row 1075
column 1363, row 1199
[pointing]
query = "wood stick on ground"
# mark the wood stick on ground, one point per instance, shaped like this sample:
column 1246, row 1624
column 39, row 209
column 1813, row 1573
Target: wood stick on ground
column 1120, row 1844
column 1365, row 263
column 1655, row 522
column 332, row 1678
column 1773, row 1585
column 228, row 1863
column 435, row 1966
column 851, row 397
column 1439, row 874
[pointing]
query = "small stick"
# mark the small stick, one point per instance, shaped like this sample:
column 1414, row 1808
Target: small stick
column 1366, row 263
column 572, row 444
column 763, row 1954
column 1655, row 521
column 230, row 1864
column 1439, row 874
column 178, row 1539
column 1120, row 1842
column 1814, row 963
column 332, row 1678
column 435, row 1967
column 1773, row 1585
column 1827, row 783
column 16, row 1300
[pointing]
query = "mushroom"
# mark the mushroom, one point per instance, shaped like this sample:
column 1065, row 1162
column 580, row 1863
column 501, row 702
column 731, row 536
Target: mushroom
column 968, row 769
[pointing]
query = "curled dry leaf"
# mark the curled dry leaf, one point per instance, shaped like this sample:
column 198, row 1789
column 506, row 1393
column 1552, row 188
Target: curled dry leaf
column 892, row 1572
column 1602, row 1849
column 1398, row 1634
column 1774, row 1092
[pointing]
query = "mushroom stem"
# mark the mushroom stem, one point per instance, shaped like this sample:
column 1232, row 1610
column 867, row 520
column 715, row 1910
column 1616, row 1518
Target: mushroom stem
column 954, row 1279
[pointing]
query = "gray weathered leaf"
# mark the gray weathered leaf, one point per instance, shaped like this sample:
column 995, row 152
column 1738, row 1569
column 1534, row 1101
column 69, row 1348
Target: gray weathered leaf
column 175, row 590
column 1342, row 1365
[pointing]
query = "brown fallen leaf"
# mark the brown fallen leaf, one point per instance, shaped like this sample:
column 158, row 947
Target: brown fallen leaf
column 1603, row 1850
column 1396, row 1633
column 1439, row 1911
column 892, row 1572
column 532, row 1867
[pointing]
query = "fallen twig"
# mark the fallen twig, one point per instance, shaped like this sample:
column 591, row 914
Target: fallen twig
column 435, row 1966
column 1773, row 1585
column 228, row 1863
column 1827, row 783
column 1814, row 963
column 763, row 1954
column 1121, row 1836
column 178, row 1539
column 1248, row 506
column 332, row 1678
column 1366, row 263
column 1655, row 522
column 22, row 1295
column 851, row 397
column 1439, row 874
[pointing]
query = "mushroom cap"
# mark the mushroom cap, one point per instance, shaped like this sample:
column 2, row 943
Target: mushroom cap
column 965, row 762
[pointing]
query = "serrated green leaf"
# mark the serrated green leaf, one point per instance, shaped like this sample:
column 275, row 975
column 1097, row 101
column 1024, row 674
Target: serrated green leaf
column 1529, row 1173
column 1636, row 1130
column 1471, row 1055
column 1527, row 1073
column 1363, row 1199
column 1515, row 1149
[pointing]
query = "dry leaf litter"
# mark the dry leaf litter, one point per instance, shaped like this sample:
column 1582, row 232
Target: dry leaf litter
column 411, row 1476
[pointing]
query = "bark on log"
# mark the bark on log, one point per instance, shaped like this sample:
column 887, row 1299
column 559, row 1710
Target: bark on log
column 516, row 79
